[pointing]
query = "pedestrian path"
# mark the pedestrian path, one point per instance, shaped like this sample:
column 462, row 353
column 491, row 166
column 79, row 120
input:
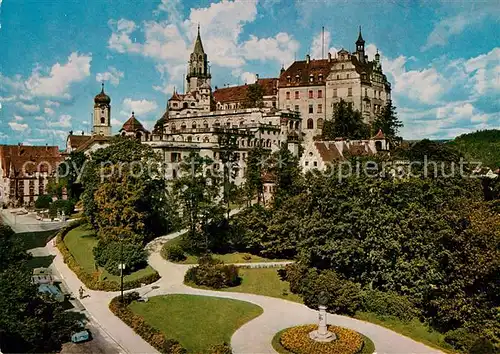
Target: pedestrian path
column 253, row 337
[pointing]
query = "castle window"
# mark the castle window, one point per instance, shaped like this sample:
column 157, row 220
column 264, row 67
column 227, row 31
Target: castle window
column 288, row 95
column 334, row 92
column 347, row 75
column 320, row 123
column 297, row 96
column 311, row 109
column 297, row 78
column 320, row 77
column 320, row 94
column 296, row 125
column 366, row 92
column 205, row 124
column 310, row 124
column 103, row 120
column 189, row 139
column 338, row 77
column 296, row 108
column 311, row 78
column 342, row 66
column 193, row 125
column 320, row 108
column 288, row 78
column 349, row 91
column 287, row 106
column 192, row 104
column 174, row 104
column 311, row 94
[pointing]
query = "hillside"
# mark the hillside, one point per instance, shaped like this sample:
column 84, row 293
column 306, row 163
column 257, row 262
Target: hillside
column 483, row 145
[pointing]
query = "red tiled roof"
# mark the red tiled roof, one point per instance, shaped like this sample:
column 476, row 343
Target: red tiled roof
column 16, row 160
column 304, row 71
column 238, row 93
column 94, row 139
column 132, row 125
column 379, row 136
column 76, row 141
column 328, row 151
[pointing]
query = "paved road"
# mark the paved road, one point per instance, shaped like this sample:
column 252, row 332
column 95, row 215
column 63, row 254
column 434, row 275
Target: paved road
column 27, row 222
column 253, row 337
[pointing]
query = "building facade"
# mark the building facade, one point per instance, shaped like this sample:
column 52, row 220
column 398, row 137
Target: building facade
column 25, row 172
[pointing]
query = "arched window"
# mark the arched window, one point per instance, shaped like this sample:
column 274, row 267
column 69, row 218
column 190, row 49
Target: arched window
column 296, row 125
column 183, row 125
column 310, row 124
column 189, row 139
column 216, row 124
column 378, row 145
column 193, row 125
column 103, row 120
column 185, row 105
column 268, row 143
column 319, row 123
column 291, row 124
column 201, row 57
column 138, row 135
column 205, row 124
column 192, row 104
column 206, row 139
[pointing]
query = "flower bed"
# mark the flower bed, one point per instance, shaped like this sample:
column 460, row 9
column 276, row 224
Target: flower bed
column 296, row 340
column 92, row 281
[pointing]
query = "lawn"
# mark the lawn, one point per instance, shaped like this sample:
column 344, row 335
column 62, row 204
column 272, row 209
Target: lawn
column 40, row 262
column 236, row 257
column 197, row 322
column 81, row 240
column 264, row 281
column 36, row 239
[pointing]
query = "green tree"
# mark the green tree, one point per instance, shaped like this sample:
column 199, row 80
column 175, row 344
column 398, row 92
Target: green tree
column 253, row 97
column 388, row 121
column 289, row 179
column 228, row 144
column 256, row 167
column 29, row 322
column 200, row 195
column 346, row 123
column 70, row 173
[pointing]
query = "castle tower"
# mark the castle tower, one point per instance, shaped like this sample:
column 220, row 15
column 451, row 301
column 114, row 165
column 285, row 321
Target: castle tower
column 360, row 47
column 198, row 71
column 102, row 114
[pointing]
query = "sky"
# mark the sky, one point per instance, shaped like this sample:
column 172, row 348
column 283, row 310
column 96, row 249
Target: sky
column 441, row 57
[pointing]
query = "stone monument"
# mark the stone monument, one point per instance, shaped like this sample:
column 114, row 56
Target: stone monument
column 322, row 334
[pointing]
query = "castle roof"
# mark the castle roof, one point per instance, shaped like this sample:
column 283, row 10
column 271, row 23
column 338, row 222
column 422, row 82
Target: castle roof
column 328, row 151
column 132, row 125
column 238, row 93
column 75, row 141
column 94, row 139
column 301, row 73
column 175, row 97
column 198, row 46
column 360, row 38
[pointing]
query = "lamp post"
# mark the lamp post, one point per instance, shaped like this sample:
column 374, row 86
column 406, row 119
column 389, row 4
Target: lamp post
column 121, row 268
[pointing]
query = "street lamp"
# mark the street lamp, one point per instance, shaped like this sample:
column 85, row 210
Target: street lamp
column 121, row 267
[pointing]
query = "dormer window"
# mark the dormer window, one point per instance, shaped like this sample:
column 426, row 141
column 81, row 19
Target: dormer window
column 297, row 78
column 311, row 78
column 320, row 77
column 288, row 78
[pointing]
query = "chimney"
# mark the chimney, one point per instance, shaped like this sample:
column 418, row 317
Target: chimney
column 329, row 57
column 308, row 58
column 83, row 133
column 256, row 77
column 70, row 132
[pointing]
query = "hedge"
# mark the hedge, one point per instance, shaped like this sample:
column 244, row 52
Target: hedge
column 92, row 281
column 150, row 334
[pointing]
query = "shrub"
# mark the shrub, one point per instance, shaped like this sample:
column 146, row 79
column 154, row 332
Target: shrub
column 175, row 253
column 109, row 255
column 388, row 304
column 296, row 340
column 223, row 348
column 482, row 346
column 146, row 331
column 207, row 259
column 214, row 276
column 460, row 339
column 43, row 201
column 61, row 205
column 344, row 297
column 294, row 274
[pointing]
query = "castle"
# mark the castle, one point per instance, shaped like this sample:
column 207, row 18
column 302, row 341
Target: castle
column 292, row 112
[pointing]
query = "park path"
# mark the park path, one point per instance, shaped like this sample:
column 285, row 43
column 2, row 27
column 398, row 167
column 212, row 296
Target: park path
column 253, row 337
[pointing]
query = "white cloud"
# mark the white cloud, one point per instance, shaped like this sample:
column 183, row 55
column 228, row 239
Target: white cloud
column 18, row 118
column 8, row 98
column 485, row 71
column 28, row 108
column 248, row 78
column 60, row 77
column 56, row 133
column 40, row 118
column 317, row 46
column 50, row 103
column 63, row 122
column 49, row 111
column 167, row 89
column 18, row 127
column 113, row 75
column 139, row 107
column 280, row 48
column 454, row 25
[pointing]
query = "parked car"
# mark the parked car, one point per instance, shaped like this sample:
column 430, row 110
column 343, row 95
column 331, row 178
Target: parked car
column 81, row 336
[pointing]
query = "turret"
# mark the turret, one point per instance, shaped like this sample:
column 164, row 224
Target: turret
column 360, row 47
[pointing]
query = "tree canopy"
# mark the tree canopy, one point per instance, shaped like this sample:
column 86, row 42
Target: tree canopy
column 346, row 123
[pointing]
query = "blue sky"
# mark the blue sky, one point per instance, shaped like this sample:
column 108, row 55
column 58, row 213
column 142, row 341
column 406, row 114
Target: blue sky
column 442, row 57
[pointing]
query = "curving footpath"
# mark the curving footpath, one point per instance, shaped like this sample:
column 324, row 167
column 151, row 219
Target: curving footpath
column 253, row 337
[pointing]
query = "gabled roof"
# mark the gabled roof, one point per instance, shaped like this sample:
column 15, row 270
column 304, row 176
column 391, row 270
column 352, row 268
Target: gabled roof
column 18, row 160
column 175, row 97
column 300, row 73
column 76, row 141
column 95, row 139
column 379, row 136
column 132, row 125
column 328, row 151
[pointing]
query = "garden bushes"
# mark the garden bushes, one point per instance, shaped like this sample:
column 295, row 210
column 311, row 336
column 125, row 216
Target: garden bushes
column 146, row 331
column 388, row 304
column 213, row 274
column 175, row 253
column 43, row 201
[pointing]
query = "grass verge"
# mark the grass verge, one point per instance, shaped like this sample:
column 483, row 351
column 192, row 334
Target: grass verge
column 197, row 322
column 36, row 239
column 236, row 257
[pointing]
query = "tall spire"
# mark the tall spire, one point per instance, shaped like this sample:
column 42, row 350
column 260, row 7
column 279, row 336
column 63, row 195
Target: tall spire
column 198, row 46
column 360, row 37
column 102, row 88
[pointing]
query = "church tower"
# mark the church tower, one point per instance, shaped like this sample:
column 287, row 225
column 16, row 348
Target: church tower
column 360, row 47
column 198, row 70
column 102, row 114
